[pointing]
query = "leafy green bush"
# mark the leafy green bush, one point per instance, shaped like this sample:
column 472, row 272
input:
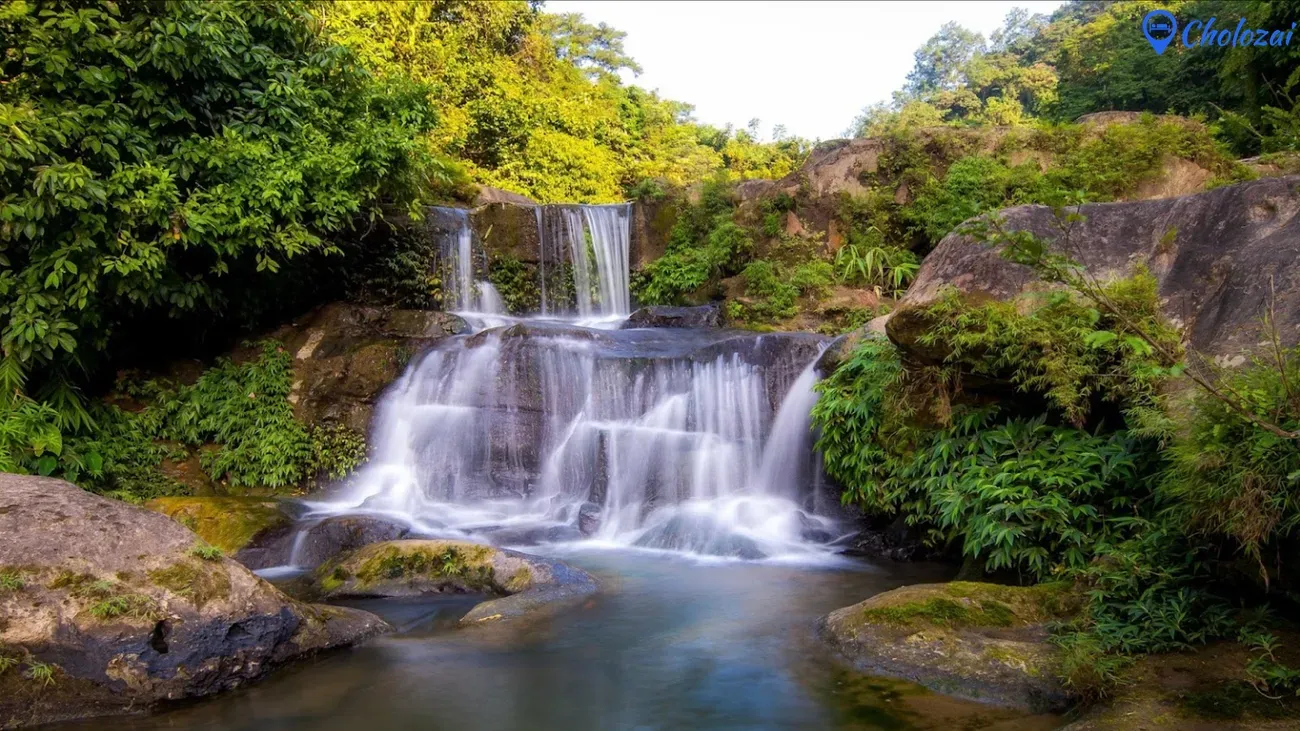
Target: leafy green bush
column 1105, row 166
column 705, row 244
column 142, row 181
column 516, row 284
column 1066, row 349
column 1016, row 492
column 972, row 185
column 770, row 296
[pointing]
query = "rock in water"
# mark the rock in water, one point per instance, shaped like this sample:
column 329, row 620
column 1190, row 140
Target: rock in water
column 526, row 584
column 108, row 608
column 334, row 536
column 701, row 316
column 979, row 641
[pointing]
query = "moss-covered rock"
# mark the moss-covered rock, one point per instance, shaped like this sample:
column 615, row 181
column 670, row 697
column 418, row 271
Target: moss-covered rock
column 108, row 608
column 229, row 523
column 525, row 584
column 980, row 641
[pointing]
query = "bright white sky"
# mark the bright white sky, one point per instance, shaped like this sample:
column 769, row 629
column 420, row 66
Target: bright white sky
column 808, row 65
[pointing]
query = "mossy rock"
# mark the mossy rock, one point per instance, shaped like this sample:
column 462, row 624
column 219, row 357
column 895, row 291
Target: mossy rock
column 984, row 642
column 524, row 584
column 229, row 523
column 108, row 608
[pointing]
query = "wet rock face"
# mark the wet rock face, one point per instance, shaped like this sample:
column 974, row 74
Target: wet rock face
column 701, row 316
column 125, row 611
column 983, row 642
column 527, row 585
column 1219, row 257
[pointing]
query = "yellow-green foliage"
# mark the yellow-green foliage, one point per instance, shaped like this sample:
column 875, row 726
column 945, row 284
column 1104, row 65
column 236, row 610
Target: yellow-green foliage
column 1023, row 485
column 1068, row 350
column 532, row 102
column 451, row 562
column 11, row 580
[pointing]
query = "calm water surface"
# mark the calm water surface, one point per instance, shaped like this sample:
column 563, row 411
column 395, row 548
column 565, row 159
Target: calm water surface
column 671, row 644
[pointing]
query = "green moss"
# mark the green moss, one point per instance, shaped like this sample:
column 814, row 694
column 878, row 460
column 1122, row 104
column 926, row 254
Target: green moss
column 78, row 585
column 945, row 612
column 198, row 581
column 467, row 564
column 334, row 578
column 519, row 580
column 228, row 523
column 969, row 604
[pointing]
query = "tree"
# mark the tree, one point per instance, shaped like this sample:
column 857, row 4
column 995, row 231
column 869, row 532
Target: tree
column 939, row 62
column 169, row 158
column 598, row 49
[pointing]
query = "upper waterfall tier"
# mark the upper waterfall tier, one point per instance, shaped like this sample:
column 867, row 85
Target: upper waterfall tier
column 576, row 256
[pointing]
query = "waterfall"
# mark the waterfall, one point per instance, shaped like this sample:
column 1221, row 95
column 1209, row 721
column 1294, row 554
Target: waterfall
column 610, row 242
column 591, row 244
column 460, row 289
column 672, row 440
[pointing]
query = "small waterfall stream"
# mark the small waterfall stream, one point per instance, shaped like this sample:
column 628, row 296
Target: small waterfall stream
column 541, row 428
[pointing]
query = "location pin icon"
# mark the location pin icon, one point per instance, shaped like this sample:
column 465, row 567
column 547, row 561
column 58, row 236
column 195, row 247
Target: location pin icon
column 1160, row 27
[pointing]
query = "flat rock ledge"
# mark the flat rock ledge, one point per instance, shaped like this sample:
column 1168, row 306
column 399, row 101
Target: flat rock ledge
column 527, row 586
column 982, row 642
column 107, row 608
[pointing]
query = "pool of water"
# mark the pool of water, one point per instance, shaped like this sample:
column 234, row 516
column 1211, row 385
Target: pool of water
column 671, row 643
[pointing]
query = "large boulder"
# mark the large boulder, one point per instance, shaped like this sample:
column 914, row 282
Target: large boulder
column 1220, row 257
column 527, row 585
column 109, row 608
column 979, row 641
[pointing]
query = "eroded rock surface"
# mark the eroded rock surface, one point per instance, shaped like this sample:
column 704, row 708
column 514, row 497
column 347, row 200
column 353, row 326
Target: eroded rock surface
column 526, row 585
column 979, row 641
column 108, row 608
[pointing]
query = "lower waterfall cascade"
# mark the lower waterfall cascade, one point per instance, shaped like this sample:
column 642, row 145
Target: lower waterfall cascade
column 683, row 440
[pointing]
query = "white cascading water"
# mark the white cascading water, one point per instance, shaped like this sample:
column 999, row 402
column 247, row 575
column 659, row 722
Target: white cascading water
column 593, row 241
column 681, row 440
column 527, row 426
column 457, row 249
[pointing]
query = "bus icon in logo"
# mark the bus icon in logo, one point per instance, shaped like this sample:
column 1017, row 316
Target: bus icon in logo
column 1159, row 26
